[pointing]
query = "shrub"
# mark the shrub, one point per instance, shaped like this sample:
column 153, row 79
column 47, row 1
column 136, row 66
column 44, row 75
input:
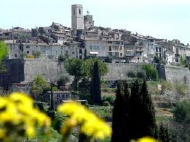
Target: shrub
column 151, row 72
column 182, row 112
column 141, row 74
column 106, row 103
column 63, row 80
column 131, row 74
column 61, row 58
column 109, row 99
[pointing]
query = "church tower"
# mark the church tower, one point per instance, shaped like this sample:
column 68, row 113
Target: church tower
column 77, row 17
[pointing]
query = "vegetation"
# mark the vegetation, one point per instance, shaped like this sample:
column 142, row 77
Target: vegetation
column 4, row 51
column 63, row 80
column 95, row 86
column 141, row 75
column 36, row 54
column 131, row 74
column 74, row 67
column 39, row 86
column 61, row 58
column 164, row 134
column 133, row 114
column 88, row 66
column 151, row 72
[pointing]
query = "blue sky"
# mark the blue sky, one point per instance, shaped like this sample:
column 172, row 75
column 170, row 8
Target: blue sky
column 169, row 19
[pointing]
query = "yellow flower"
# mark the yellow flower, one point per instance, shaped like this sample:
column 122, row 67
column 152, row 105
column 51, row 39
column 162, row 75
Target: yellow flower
column 2, row 133
column 18, row 111
column 89, row 124
column 146, row 139
column 30, row 131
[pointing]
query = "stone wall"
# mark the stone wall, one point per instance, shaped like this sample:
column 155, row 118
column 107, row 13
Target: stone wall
column 49, row 69
column 118, row 71
column 177, row 74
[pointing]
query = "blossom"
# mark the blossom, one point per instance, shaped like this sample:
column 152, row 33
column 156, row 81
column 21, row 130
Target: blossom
column 145, row 139
column 17, row 110
column 88, row 123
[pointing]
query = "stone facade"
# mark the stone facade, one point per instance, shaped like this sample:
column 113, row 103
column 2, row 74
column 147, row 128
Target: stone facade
column 77, row 17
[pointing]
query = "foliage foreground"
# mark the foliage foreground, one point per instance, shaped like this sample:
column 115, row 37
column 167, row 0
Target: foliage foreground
column 19, row 119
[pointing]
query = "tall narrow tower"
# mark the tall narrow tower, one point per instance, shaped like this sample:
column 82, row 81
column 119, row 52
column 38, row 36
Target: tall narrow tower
column 77, row 17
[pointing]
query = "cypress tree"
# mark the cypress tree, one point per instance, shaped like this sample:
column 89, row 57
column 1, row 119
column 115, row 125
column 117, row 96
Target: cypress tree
column 95, row 88
column 135, row 111
column 117, row 115
column 149, row 127
column 125, row 121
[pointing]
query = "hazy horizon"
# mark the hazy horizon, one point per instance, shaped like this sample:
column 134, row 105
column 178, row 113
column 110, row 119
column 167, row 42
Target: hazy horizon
column 167, row 19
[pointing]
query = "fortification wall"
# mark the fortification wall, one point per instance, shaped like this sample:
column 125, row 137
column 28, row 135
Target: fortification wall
column 118, row 71
column 49, row 69
column 177, row 74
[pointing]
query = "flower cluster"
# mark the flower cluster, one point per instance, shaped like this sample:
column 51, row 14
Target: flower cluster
column 89, row 124
column 19, row 117
column 145, row 139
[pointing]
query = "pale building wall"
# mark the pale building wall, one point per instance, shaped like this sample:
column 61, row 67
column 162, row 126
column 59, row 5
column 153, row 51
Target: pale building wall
column 77, row 17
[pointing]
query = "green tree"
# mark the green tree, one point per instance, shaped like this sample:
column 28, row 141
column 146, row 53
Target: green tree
column 4, row 51
column 164, row 135
column 182, row 112
column 151, row 72
column 89, row 64
column 117, row 117
column 125, row 118
column 148, row 119
column 131, row 74
column 141, row 74
column 61, row 58
column 95, row 86
column 135, row 112
column 63, row 80
column 74, row 67
column 39, row 86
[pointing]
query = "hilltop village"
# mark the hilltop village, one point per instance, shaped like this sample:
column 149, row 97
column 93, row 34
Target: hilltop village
column 85, row 40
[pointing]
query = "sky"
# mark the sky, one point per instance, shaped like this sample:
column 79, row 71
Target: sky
column 166, row 19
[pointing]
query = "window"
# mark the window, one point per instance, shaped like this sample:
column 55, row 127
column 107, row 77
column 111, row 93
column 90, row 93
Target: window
column 56, row 52
column 156, row 49
column 80, row 51
column 28, row 52
column 73, row 52
column 121, row 54
column 15, row 55
column 91, row 47
column 80, row 57
column 27, row 46
column 120, row 47
column 74, row 11
column 109, row 48
column 79, row 12
column 160, row 49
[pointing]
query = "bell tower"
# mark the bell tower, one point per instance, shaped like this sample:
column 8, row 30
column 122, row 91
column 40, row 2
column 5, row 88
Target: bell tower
column 77, row 17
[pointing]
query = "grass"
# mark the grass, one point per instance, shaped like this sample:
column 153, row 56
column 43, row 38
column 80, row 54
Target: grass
column 104, row 112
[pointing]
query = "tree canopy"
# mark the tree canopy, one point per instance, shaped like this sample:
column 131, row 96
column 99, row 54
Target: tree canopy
column 39, row 85
column 89, row 64
column 4, row 51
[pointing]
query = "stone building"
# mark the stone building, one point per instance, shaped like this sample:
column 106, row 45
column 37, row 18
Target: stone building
column 77, row 17
column 88, row 21
column 51, row 51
